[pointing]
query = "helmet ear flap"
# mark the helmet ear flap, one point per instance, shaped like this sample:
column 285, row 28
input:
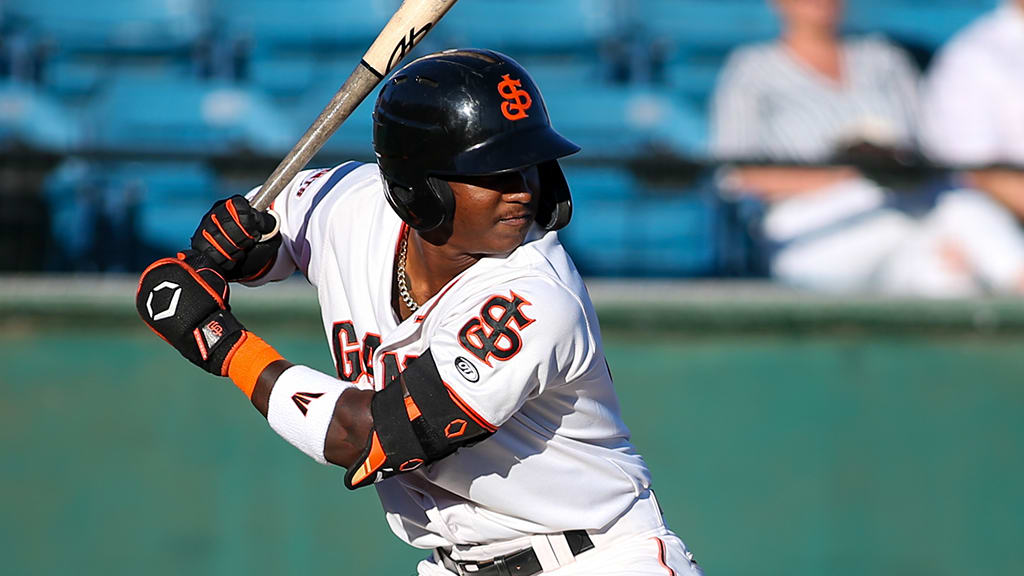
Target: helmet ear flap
column 424, row 208
column 399, row 197
column 555, row 209
column 442, row 191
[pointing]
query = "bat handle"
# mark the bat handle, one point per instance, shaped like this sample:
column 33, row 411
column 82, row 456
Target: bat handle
column 277, row 226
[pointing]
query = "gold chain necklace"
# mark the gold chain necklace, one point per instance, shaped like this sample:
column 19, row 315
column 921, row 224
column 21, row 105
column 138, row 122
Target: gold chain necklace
column 403, row 287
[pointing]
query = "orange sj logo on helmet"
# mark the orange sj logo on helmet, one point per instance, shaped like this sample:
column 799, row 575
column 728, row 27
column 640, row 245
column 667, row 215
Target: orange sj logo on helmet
column 517, row 102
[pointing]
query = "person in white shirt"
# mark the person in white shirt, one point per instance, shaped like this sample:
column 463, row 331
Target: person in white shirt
column 973, row 106
column 472, row 389
column 803, row 99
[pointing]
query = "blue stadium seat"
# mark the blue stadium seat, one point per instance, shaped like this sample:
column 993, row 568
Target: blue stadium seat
column 917, row 23
column 70, row 77
column 693, row 79
column 645, row 237
column 171, row 200
column 155, row 113
column 33, row 119
column 700, row 25
column 354, row 138
column 73, row 209
column 79, row 45
column 283, row 75
column 597, row 237
column 621, row 122
column 675, row 235
column 528, row 26
column 114, row 25
column 558, row 72
column 599, row 183
column 304, row 24
column 120, row 216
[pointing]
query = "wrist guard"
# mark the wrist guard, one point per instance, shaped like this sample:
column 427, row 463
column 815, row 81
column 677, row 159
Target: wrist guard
column 186, row 304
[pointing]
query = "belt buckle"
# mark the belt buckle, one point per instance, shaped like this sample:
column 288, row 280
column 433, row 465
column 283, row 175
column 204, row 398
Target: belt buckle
column 501, row 567
column 459, row 566
column 577, row 542
column 497, row 566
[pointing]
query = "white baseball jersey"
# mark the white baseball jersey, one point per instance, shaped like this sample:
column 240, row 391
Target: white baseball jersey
column 515, row 340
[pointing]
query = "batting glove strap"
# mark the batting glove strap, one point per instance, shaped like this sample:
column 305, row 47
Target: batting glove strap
column 187, row 307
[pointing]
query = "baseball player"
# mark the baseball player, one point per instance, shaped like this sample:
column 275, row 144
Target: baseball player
column 471, row 389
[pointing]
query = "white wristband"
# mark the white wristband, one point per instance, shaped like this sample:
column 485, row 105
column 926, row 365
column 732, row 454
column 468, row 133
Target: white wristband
column 301, row 407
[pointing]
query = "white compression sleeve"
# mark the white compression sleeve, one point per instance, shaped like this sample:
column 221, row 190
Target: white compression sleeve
column 301, row 406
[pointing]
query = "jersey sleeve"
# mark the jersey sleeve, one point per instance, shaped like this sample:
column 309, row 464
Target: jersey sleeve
column 304, row 207
column 512, row 344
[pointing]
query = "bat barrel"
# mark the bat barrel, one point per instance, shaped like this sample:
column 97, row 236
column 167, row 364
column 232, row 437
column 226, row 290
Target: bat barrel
column 409, row 24
column 341, row 106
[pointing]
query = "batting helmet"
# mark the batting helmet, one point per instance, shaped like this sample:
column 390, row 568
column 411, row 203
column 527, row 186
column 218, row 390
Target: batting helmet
column 464, row 113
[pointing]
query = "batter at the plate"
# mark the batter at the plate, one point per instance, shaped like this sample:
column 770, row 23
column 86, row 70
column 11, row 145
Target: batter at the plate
column 471, row 388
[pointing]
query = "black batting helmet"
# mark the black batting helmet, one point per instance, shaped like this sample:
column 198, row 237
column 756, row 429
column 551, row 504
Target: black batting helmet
column 464, row 113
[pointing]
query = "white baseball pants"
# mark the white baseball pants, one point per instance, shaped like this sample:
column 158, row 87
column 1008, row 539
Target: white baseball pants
column 637, row 544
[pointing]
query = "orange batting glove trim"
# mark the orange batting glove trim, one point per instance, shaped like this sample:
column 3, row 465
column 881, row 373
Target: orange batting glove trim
column 248, row 360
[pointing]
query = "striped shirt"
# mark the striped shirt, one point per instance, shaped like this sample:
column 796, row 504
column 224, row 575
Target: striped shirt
column 769, row 105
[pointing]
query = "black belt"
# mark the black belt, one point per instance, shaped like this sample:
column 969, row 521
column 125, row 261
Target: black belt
column 522, row 563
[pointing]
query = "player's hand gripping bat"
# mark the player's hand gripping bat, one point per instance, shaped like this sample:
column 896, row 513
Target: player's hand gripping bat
column 406, row 28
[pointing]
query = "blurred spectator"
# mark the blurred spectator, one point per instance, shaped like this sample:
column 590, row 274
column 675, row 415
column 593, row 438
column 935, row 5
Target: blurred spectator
column 973, row 112
column 805, row 99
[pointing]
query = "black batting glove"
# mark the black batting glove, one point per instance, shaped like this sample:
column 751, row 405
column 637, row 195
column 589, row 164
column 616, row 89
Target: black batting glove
column 228, row 236
column 185, row 301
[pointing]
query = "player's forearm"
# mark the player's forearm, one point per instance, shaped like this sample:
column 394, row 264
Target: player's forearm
column 265, row 384
column 350, row 427
column 373, row 434
column 326, row 418
column 776, row 183
column 1005, row 186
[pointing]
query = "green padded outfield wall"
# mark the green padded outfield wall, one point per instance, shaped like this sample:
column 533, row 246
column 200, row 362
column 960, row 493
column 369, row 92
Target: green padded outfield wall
column 791, row 436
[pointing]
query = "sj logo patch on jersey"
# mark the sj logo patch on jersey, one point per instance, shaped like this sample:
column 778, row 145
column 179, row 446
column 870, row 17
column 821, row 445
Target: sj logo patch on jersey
column 517, row 101
column 491, row 334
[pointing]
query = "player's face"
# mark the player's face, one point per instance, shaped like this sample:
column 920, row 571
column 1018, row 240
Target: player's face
column 494, row 213
column 815, row 14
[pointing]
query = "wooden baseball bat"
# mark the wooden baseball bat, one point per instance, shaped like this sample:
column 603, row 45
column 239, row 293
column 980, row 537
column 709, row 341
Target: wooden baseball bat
column 410, row 23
